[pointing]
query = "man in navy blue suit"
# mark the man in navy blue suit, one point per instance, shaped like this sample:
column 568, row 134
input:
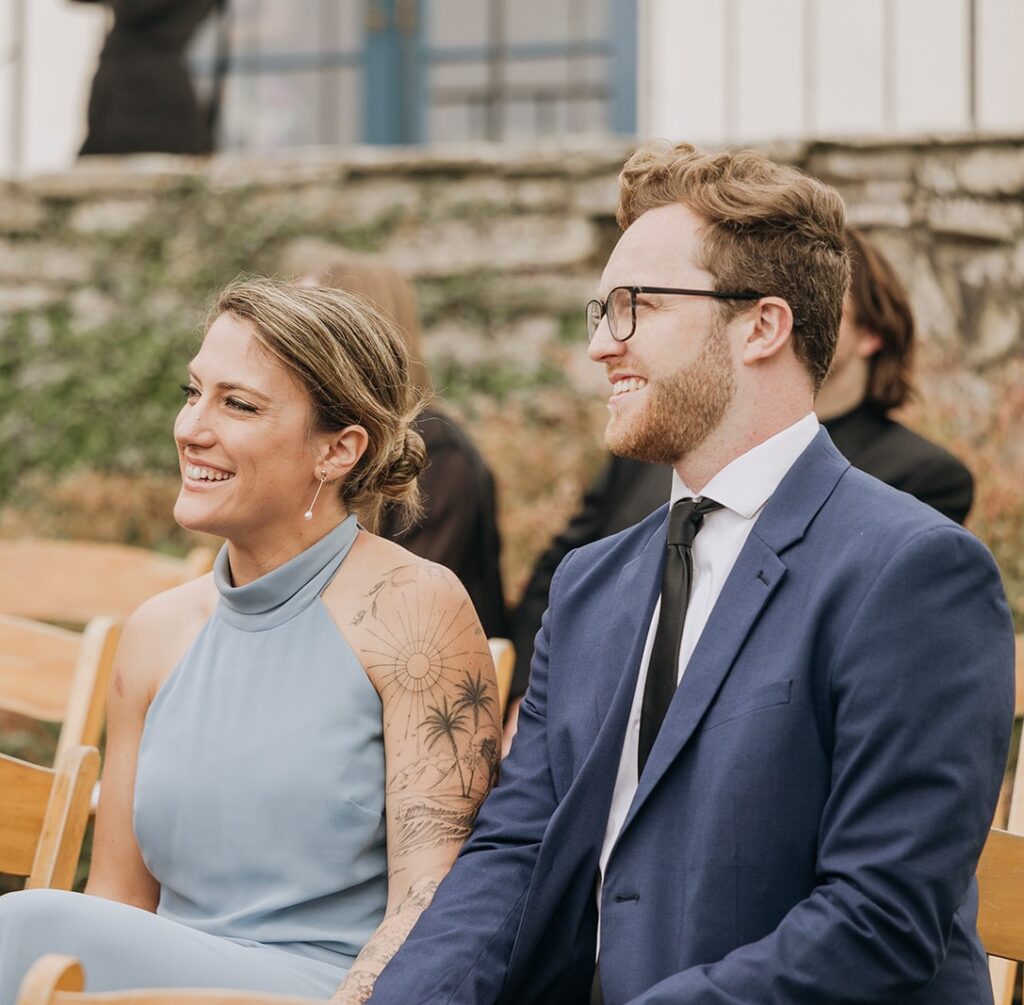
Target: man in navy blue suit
column 765, row 727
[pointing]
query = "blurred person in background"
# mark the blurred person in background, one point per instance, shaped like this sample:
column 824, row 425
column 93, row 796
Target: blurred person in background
column 458, row 527
column 142, row 99
column 299, row 741
column 871, row 375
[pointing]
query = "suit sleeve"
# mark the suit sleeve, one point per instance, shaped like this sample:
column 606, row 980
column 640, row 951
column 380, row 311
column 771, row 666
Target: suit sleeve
column 459, row 950
column 922, row 689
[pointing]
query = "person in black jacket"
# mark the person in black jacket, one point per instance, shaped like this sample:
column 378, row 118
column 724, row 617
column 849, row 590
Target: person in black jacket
column 459, row 527
column 870, row 377
column 142, row 99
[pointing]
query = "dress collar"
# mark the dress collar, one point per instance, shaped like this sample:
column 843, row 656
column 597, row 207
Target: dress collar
column 279, row 590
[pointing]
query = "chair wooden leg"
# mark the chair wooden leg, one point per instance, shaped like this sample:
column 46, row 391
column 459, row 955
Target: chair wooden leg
column 48, row 975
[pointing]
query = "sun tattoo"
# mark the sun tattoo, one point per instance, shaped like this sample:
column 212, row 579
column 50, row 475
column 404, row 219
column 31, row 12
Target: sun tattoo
column 419, row 646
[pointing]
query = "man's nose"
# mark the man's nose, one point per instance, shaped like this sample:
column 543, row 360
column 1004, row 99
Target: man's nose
column 602, row 346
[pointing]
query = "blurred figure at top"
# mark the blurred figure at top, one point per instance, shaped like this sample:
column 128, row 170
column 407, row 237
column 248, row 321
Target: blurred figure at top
column 871, row 376
column 459, row 527
column 142, row 100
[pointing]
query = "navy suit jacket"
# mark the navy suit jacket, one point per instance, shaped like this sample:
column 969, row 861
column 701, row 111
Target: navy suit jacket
column 808, row 823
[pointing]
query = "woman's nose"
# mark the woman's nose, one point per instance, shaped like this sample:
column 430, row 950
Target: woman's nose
column 193, row 426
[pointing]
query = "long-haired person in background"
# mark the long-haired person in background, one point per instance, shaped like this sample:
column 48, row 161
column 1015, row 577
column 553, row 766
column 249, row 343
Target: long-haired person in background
column 298, row 742
column 871, row 376
column 458, row 526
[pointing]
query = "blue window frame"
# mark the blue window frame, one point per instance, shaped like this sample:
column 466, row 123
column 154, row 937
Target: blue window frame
column 415, row 71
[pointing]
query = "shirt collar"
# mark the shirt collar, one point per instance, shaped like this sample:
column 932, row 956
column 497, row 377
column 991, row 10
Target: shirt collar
column 745, row 484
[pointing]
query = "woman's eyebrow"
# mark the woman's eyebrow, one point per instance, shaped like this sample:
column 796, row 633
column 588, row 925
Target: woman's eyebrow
column 227, row 385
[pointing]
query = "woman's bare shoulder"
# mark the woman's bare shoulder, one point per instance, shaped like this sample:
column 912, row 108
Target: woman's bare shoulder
column 375, row 565
column 389, row 602
column 160, row 630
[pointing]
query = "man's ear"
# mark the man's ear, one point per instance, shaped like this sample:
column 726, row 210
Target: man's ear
column 768, row 326
column 341, row 451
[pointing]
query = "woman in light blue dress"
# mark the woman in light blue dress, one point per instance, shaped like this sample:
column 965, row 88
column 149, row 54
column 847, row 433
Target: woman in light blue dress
column 297, row 743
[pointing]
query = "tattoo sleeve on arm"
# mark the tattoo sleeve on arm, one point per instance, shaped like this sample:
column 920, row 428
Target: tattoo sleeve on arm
column 422, row 646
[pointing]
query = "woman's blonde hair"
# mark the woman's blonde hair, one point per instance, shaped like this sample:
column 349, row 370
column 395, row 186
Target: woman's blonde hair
column 354, row 365
column 768, row 229
column 390, row 292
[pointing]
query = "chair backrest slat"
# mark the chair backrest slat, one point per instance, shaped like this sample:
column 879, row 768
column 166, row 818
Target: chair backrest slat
column 24, row 794
column 43, row 814
column 1001, row 895
column 74, row 581
column 54, row 675
column 37, row 664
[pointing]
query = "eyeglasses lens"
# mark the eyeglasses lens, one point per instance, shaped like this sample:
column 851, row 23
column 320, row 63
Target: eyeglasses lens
column 594, row 314
column 620, row 313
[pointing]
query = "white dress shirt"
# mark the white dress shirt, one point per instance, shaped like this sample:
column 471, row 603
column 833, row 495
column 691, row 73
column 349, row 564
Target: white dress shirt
column 742, row 487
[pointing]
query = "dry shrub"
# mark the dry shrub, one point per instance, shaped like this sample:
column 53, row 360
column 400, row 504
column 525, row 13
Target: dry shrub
column 543, row 451
column 980, row 418
column 99, row 506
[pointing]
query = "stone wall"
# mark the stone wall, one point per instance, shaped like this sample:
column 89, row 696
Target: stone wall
column 105, row 272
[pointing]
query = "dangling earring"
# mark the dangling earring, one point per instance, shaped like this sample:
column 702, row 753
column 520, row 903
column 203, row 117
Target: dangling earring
column 308, row 515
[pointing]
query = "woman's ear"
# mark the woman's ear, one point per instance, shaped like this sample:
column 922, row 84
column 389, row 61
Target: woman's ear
column 770, row 325
column 341, row 452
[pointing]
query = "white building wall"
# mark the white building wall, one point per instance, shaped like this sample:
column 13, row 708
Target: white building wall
column 50, row 84
column 721, row 71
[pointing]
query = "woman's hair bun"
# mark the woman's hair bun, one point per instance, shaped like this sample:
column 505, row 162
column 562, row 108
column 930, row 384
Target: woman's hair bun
column 407, row 462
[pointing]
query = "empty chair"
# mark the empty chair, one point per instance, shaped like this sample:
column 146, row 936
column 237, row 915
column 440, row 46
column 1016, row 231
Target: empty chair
column 43, row 813
column 58, row 980
column 74, row 581
column 58, row 676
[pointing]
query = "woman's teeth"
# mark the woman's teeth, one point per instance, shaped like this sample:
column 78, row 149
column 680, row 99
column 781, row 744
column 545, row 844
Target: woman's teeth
column 207, row 474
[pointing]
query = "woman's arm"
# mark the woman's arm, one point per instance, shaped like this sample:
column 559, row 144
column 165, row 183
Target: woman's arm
column 155, row 637
column 117, row 871
column 425, row 652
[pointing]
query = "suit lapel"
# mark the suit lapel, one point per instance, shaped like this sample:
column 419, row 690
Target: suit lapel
column 625, row 631
column 751, row 584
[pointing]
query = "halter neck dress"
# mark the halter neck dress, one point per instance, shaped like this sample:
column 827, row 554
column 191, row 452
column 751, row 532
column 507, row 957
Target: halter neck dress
column 259, row 808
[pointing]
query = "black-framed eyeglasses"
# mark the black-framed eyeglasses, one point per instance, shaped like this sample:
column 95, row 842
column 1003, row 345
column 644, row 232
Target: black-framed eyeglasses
column 620, row 307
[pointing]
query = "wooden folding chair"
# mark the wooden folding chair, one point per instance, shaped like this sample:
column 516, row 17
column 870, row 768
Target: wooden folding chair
column 1001, row 905
column 504, row 655
column 1003, row 970
column 72, row 582
column 58, row 980
column 43, row 813
column 59, row 676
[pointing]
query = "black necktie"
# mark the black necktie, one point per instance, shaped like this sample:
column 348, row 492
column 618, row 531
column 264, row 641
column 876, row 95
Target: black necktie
column 663, row 674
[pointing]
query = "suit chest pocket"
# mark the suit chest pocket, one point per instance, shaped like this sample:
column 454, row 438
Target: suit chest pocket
column 734, row 706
